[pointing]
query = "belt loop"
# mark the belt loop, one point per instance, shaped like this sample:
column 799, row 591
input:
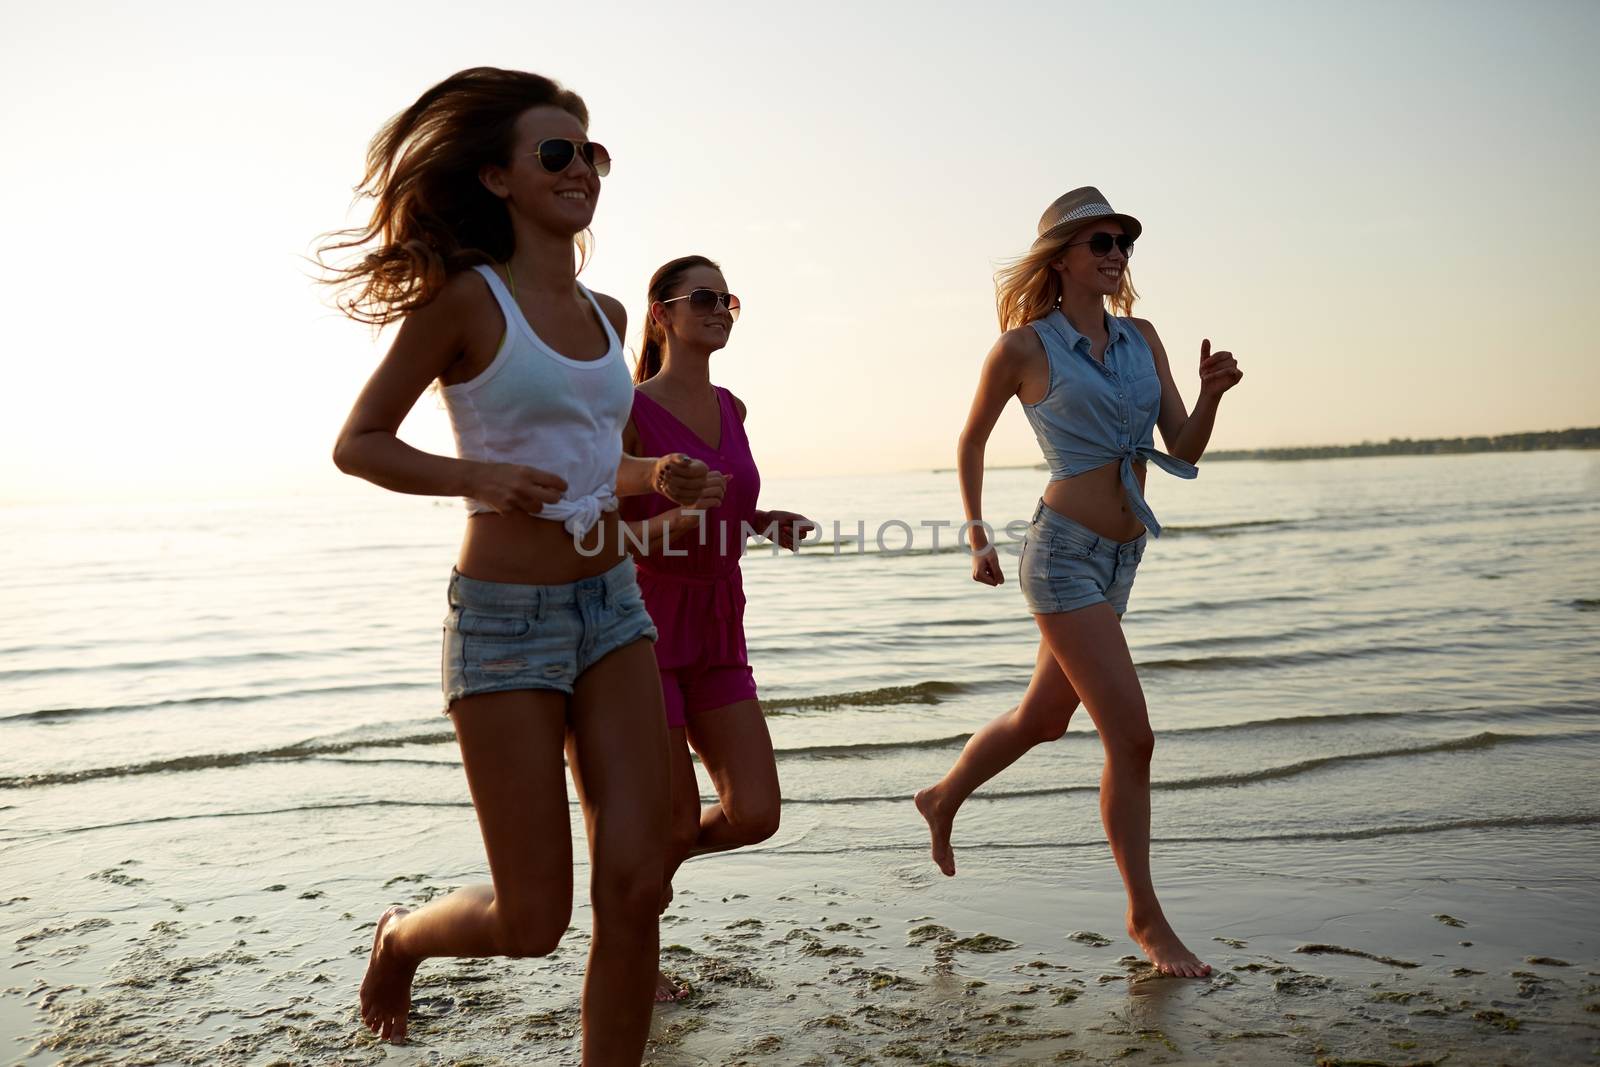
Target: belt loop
column 538, row 604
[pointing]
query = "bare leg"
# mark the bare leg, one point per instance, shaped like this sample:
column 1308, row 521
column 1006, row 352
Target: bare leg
column 1093, row 653
column 684, row 828
column 511, row 750
column 618, row 753
column 1043, row 715
column 736, row 749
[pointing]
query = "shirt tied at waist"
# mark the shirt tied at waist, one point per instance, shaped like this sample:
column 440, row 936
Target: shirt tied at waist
column 1170, row 464
column 580, row 515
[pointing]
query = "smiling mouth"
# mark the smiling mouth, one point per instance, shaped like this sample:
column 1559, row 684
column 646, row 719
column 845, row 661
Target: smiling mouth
column 573, row 194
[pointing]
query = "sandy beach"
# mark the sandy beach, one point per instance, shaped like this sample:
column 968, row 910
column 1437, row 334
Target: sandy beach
column 1354, row 953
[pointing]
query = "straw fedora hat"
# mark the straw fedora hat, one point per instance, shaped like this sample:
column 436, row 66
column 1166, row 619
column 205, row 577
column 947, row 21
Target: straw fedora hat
column 1070, row 211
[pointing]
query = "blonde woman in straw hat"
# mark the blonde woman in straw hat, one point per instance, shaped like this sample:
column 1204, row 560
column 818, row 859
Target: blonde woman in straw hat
column 1094, row 383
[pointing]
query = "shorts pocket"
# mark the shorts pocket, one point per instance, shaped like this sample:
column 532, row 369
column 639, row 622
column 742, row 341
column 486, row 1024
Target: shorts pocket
column 470, row 623
column 1069, row 547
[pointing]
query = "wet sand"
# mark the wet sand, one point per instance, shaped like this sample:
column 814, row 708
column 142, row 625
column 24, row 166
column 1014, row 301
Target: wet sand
column 1393, row 953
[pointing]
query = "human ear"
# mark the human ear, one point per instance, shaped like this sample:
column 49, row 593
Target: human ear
column 494, row 179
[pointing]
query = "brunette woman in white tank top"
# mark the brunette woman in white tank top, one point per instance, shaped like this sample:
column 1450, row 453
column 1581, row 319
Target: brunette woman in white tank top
column 482, row 188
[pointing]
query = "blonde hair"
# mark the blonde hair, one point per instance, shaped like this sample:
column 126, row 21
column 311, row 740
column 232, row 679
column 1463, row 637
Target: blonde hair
column 1026, row 289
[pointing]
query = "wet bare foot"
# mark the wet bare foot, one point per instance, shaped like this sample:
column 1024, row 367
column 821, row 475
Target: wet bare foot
column 669, row 989
column 1165, row 951
column 386, row 989
column 938, row 830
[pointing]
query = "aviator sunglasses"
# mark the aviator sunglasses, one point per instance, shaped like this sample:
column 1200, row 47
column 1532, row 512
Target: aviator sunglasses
column 704, row 301
column 1100, row 244
column 556, row 154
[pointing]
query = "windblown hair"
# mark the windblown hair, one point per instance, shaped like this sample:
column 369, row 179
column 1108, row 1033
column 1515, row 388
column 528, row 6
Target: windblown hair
column 655, row 335
column 1026, row 289
column 431, row 216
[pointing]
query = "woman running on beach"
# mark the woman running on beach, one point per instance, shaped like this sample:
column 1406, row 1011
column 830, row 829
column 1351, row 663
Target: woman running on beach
column 1093, row 386
column 697, row 597
column 483, row 191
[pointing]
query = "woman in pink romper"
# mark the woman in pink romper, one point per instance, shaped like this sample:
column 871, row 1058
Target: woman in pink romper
column 689, row 570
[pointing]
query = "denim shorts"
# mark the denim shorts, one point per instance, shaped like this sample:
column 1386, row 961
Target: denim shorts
column 502, row 636
column 1066, row 566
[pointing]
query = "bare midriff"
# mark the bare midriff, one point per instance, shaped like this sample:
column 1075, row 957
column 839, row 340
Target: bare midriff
column 530, row 551
column 1097, row 500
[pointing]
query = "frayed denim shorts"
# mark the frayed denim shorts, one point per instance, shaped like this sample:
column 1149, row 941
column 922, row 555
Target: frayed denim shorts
column 1066, row 566
column 502, row 636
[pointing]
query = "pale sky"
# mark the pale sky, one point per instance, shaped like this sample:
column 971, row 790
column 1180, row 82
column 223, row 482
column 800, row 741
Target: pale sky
column 1385, row 210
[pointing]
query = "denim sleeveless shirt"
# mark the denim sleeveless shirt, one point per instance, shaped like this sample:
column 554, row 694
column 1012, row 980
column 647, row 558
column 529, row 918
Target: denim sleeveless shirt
column 1096, row 413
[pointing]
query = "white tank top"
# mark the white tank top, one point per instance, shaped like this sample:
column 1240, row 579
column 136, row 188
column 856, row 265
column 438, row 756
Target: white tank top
column 535, row 407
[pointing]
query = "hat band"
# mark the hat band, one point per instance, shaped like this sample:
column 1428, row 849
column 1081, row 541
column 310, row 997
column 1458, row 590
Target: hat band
column 1080, row 212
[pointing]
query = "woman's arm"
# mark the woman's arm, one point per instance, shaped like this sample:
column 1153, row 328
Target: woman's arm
column 677, row 477
column 1002, row 377
column 1186, row 433
column 430, row 340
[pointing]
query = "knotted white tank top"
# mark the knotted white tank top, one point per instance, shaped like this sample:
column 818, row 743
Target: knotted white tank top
column 535, row 407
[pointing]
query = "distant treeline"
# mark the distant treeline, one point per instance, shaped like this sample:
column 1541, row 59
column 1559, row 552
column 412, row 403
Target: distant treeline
column 1432, row 446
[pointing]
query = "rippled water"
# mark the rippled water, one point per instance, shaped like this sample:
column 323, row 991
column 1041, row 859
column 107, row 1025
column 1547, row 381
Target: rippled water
column 1332, row 651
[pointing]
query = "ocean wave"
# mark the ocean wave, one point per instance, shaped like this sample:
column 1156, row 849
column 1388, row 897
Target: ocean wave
column 1507, row 822
column 931, row 692
column 1224, row 529
column 1475, row 743
column 240, row 698
column 1251, row 602
column 211, row 760
column 1289, row 659
column 869, row 748
column 192, row 662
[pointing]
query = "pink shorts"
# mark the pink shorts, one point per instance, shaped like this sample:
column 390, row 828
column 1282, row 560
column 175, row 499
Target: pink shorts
column 693, row 689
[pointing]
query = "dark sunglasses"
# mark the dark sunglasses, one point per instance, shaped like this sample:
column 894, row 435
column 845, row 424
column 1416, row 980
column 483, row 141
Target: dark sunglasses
column 557, row 153
column 705, row 301
column 1100, row 244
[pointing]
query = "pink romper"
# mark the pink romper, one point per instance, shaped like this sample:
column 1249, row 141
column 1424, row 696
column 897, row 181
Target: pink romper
column 696, row 600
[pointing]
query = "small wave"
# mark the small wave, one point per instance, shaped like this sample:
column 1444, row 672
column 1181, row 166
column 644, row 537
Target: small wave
column 293, row 810
column 931, row 692
column 190, row 662
column 1477, row 742
column 1288, row 659
column 869, row 748
column 1226, row 605
column 1587, row 604
column 1509, row 822
column 1558, row 710
column 210, row 760
column 236, row 698
column 1223, row 529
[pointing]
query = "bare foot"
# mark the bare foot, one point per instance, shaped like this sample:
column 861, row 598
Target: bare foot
column 938, row 830
column 669, row 990
column 1166, row 952
column 386, row 989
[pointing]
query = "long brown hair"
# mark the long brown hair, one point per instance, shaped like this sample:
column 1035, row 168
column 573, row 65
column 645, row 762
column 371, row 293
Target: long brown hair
column 662, row 282
column 431, row 216
column 1027, row 289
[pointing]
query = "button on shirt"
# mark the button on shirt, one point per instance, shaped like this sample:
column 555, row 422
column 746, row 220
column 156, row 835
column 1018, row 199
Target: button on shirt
column 1100, row 411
